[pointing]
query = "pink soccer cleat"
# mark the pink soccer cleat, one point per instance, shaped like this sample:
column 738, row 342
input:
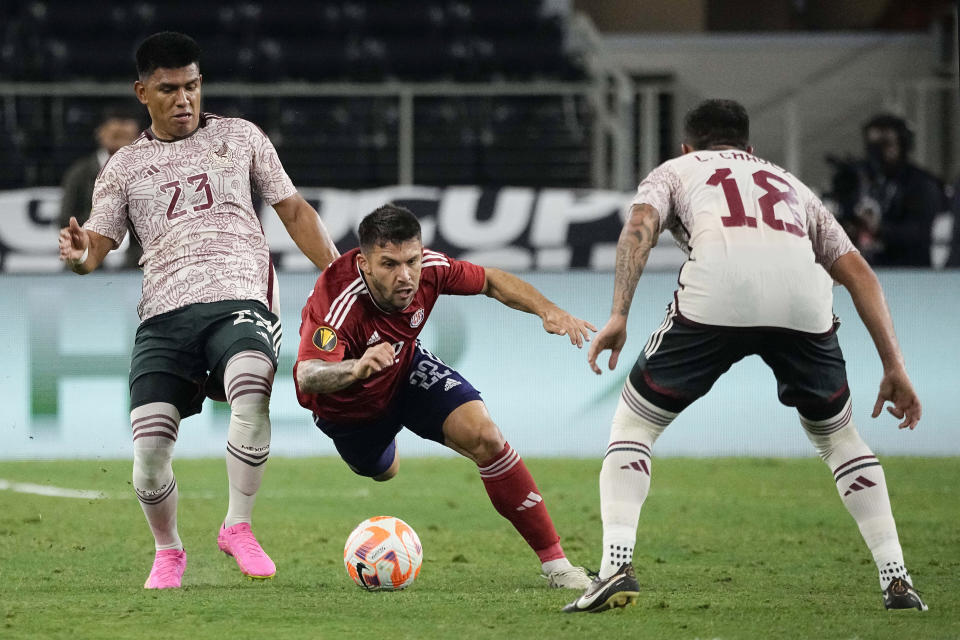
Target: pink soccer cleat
column 167, row 571
column 238, row 541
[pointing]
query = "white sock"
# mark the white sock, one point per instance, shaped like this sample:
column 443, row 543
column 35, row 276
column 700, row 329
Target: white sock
column 559, row 564
column 155, row 427
column 862, row 487
column 625, row 475
column 248, row 381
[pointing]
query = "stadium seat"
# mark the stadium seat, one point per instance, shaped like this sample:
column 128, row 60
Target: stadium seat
column 352, row 142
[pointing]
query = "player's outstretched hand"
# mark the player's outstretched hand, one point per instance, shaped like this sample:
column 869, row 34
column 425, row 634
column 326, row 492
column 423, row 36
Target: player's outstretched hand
column 896, row 389
column 374, row 360
column 559, row 322
column 612, row 336
column 73, row 242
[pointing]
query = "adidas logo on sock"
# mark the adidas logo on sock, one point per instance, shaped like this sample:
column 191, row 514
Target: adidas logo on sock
column 638, row 465
column 531, row 501
column 859, row 484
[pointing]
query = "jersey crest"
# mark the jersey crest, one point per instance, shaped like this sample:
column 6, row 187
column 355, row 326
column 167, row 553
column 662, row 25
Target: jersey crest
column 417, row 319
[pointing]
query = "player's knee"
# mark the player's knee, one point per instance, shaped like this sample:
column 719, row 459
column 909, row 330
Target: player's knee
column 829, row 434
column 252, row 418
column 152, row 467
column 629, row 424
column 391, row 471
column 147, row 480
column 248, row 381
column 827, row 444
column 249, row 409
column 844, row 443
column 389, row 474
column 485, row 442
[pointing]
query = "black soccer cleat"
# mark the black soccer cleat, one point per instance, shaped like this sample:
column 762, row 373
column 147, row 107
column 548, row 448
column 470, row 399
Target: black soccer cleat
column 619, row 590
column 900, row 594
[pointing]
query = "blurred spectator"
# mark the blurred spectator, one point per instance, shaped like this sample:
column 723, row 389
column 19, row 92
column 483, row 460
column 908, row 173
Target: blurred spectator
column 886, row 203
column 116, row 129
column 954, row 259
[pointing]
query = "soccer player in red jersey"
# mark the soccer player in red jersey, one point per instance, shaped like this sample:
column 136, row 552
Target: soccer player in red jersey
column 763, row 256
column 364, row 374
column 209, row 323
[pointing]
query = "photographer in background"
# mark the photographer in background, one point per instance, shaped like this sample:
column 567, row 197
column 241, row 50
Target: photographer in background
column 886, row 203
column 953, row 260
column 117, row 129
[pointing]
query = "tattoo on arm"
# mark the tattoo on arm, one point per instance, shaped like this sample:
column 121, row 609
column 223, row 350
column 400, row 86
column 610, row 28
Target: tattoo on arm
column 318, row 376
column 638, row 236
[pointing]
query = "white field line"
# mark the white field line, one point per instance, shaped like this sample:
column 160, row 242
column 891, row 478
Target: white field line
column 47, row 490
column 85, row 494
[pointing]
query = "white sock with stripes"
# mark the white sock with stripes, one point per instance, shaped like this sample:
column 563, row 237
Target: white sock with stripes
column 625, row 475
column 248, row 382
column 862, row 487
column 155, row 428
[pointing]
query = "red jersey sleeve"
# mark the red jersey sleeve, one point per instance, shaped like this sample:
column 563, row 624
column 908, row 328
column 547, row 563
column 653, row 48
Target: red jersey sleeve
column 457, row 277
column 318, row 340
column 322, row 337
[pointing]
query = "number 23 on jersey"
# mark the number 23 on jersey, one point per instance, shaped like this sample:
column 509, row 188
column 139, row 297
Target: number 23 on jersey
column 199, row 186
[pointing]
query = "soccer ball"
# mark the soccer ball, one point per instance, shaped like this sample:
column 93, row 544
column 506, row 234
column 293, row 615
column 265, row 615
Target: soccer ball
column 383, row 554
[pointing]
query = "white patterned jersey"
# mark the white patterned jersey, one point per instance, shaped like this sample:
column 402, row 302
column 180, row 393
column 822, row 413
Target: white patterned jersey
column 759, row 242
column 190, row 204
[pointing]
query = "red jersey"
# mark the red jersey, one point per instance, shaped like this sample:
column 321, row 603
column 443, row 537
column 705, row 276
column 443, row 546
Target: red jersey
column 341, row 320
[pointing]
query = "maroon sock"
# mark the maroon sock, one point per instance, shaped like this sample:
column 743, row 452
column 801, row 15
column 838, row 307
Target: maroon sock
column 515, row 496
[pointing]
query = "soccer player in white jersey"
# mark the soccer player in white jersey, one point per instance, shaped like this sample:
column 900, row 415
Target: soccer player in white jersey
column 209, row 323
column 763, row 255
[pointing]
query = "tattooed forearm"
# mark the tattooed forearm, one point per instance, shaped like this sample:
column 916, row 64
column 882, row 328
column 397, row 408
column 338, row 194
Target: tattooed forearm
column 638, row 236
column 317, row 376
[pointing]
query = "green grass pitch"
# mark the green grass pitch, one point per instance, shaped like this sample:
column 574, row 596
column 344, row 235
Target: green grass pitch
column 727, row 548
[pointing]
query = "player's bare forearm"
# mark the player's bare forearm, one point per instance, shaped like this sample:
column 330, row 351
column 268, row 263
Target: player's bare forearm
column 313, row 240
column 853, row 272
column 319, row 376
column 515, row 293
column 638, row 236
column 521, row 295
column 307, row 230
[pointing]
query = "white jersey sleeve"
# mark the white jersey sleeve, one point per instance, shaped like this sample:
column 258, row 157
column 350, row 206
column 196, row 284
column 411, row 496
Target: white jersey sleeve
column 829, row 239
column 267, row 173
column 659, row 190
column 109, row 216
column 662, row 189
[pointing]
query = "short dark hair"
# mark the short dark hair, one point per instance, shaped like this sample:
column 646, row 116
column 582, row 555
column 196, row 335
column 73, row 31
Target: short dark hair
column 121, row 112
column 166, row 50
column 714, row 123
column 896, row 124
column 388, row 224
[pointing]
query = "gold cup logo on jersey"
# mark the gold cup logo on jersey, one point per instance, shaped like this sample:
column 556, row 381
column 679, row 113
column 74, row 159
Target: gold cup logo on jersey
column 325, row 339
